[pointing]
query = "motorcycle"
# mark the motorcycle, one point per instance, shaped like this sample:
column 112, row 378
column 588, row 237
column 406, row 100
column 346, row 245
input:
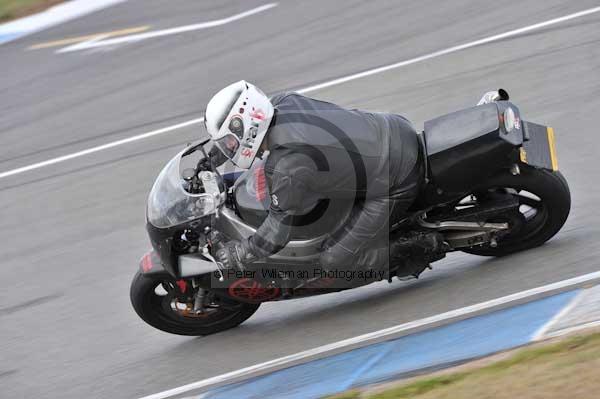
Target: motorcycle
column 492, row 188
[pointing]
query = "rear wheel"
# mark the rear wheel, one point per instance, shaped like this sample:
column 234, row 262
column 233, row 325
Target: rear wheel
column 155, row 300
column 544, row 205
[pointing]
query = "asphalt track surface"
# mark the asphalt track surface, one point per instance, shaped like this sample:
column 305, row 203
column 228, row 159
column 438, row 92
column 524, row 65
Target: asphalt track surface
column 71, row 234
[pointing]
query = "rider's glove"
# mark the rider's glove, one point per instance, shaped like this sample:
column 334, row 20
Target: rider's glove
column 233, row 255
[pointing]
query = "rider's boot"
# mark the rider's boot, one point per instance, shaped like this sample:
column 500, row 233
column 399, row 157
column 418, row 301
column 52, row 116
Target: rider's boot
column 417, row 244
column 410, row 255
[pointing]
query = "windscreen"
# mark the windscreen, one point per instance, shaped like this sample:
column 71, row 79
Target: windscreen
column 170, row 205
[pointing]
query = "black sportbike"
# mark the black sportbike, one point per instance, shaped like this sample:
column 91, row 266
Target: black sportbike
column 493, row 188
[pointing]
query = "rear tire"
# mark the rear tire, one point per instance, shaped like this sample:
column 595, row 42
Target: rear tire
column 156, row 310
column 555, row 200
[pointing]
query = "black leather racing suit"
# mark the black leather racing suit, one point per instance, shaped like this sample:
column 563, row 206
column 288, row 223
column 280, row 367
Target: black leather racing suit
column 363, row 161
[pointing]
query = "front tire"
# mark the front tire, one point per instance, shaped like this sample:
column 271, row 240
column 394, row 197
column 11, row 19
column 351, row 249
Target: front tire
column 157, row 309
column 552, row 208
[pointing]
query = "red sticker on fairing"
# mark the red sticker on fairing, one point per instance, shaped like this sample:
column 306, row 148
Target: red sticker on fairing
column 147, row 262
column 250, row 290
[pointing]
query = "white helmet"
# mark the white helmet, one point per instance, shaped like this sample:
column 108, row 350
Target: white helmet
column 237, row 119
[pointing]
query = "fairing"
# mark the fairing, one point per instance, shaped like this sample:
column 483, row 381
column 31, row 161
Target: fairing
column 171, row 210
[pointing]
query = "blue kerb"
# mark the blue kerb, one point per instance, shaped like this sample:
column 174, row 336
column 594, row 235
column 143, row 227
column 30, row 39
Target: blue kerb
column 5, row 37
column 463, row 340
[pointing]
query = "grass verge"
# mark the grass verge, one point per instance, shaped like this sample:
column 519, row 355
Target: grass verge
column 13, row 9
column 566, row 369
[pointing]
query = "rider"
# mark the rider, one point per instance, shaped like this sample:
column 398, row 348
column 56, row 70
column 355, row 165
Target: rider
column 318, row 150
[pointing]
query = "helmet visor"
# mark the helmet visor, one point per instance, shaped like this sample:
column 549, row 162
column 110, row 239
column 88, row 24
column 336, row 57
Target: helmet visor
column 228, row 145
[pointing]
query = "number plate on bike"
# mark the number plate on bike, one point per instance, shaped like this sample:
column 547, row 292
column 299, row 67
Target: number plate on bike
column 540, row 149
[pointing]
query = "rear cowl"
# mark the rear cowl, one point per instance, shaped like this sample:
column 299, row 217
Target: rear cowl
column 468, row 146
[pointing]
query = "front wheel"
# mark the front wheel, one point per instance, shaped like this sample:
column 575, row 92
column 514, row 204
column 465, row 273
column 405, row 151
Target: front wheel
column 544, row 205
column 155, row 300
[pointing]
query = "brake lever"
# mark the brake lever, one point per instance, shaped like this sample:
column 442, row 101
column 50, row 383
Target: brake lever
column 220, row 268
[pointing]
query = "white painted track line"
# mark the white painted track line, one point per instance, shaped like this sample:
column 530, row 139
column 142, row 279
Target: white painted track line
column 311, row 88
column 100, row 148
column 166, row 32
column 454, row 49
column 89, row 42
column 381, row 335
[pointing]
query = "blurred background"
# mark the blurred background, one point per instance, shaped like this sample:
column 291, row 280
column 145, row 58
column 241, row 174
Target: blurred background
column 97, row 97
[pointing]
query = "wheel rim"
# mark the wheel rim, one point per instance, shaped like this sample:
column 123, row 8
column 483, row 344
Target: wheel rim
column 533, row 211
column 530, row 218
column 164, row 301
